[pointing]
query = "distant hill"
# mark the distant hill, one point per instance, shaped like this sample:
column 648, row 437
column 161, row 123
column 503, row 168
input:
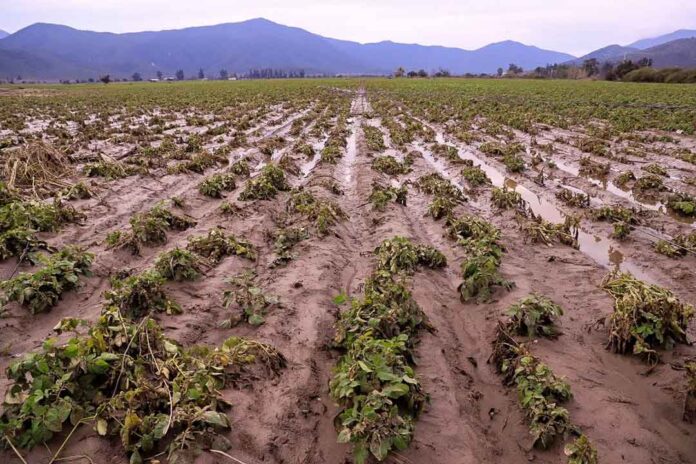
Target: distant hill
column 50, row 51
column 3, row 34
column 679, row 53
column 662, row 39
column 608, row 53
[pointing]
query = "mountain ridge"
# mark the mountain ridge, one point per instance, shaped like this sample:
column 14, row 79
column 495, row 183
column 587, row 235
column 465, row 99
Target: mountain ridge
column 238, row 47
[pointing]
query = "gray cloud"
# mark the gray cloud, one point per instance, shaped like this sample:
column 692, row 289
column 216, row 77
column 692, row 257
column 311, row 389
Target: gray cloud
column 565, row 25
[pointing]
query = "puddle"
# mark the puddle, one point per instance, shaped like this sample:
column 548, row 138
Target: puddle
column 603, row 251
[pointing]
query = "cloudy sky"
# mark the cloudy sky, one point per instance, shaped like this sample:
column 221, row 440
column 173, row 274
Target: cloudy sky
column 573, row 26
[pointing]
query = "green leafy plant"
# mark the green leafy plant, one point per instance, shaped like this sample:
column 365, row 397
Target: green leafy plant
column 41, row 290
column 435, row 184
column 534, row 315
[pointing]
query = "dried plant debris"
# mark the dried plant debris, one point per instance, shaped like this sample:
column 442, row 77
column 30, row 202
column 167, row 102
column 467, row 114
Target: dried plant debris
column 646, row 317
column 41, row 290
column 37, row 168
column 251, row 300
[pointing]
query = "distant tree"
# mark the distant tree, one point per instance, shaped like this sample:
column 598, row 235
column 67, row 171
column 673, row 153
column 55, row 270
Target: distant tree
column 105, row 79
column 160, row 75
column 422, row 73
column 180, row 75
column 442, row 73
column 645, row 63
column 607, row 71
column 412, row 74
column 400, row 72
column 201, row 74
column 591, row 67
column 91, row 80
column 500, row 72
column 137, row 77
column 224, row 75
column 514, row 69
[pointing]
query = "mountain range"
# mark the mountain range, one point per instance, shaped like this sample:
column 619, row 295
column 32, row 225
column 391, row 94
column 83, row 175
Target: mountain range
column 54, row 52
column 3, row 34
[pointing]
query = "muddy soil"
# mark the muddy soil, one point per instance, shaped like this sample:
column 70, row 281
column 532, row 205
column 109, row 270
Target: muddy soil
column 632, row 414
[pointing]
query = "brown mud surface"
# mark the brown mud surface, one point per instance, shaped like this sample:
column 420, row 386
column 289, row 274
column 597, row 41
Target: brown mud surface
column 631, row 414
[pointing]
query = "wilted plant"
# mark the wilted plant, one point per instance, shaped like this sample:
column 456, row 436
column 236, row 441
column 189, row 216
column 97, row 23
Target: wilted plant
column 514, row 163
column 475, row 176
column 240, row 168
column 374, row 138
column 575, row 199
column 216, row 184
column 139, row 295
column 646, row 317
column 581, row 451
column 216, row 245
column 539, row 230
column 253, row 303
column 624, row 178
column 389, row 165
column 266, row 185
column 649, row 183
column 539, row 391
column 41, row 290
column 381, row 196
column 534, row 315
column 682, row 203
column 656, row 169
column 323, row 213
column 505, row 198
column 435, row 184
column 284, row 240
column 593, row 168
column 179, row 265
column 441, row 207
column 109, row 169
column 77, row 191
column 679, row 246
column 121, row 377
column 399, row 254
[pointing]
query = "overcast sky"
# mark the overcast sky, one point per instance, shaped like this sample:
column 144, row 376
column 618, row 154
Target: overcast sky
column 573, row 26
